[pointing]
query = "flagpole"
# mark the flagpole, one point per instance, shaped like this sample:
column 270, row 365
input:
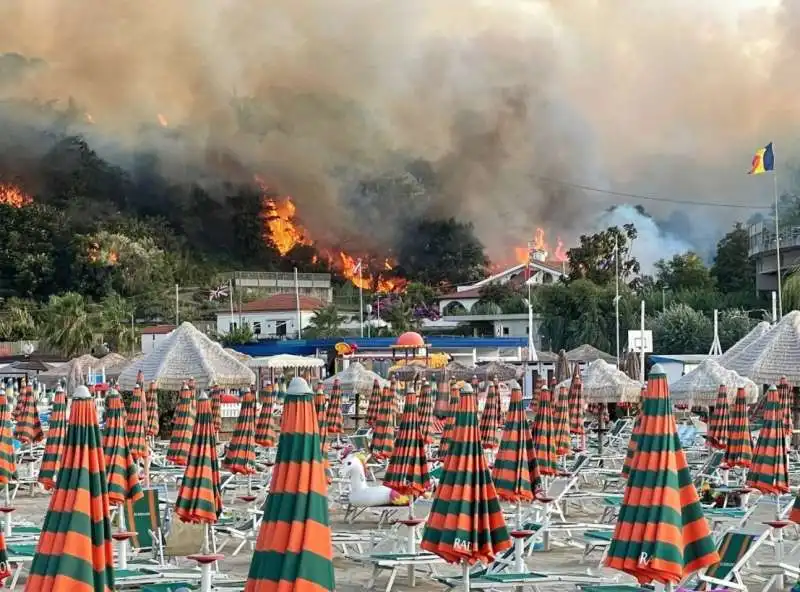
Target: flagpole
column 297, row 303
column 230, row 298
column 777, row 241
column 616, row 293
column 360, row 298
column 177, row 307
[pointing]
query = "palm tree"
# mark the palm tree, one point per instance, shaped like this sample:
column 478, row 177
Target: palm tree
column 791, row 291
column 326, row 322
column 67, row 325
column 16, row 321
column 117, row 321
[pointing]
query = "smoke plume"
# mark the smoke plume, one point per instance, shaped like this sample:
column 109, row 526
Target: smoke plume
column 513, row 102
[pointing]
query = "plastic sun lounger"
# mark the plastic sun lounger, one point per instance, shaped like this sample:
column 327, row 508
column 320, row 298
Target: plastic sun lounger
column 394, row 562
column 19, row 556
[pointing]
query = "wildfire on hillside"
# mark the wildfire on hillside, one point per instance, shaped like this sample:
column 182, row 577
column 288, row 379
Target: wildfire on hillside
column 539, row 243
column 285, row 232
column 12, row 195
column 102, row 256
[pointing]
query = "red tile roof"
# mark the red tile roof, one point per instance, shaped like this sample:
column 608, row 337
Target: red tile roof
column 473, row 293
column 283, row 302
column 158, row 330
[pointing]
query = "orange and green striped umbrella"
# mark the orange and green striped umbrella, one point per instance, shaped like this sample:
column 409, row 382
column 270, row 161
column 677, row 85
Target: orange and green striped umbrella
column 561, row 423
column 785, row 390
column 426, row 413
column 55, row 440
column 74, row 550
column 466, row 522
column 739, row 452
column 637, row 428
column 293, row 550
column 123, row 474
column 29, row 426
column 382, row 443
column 444, row 441
column 216, row 407
column 543, row 435
column 182, row 428
column 152, row 410
column 137, row 424
column 407, row 472
column 576, row 403
column 319, row 404
column 490, row 418
column 334, row 418
column 374, row 404
column 441, row 401
column 8, row 463
column 241, row 455
column 199, row 498
column 718, row 425
column 769, row 473
column 264, row 422
column 515, row 474
column 661, row 533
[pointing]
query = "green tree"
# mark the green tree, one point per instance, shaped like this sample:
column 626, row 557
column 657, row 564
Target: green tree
column 400, row 316
column 67, row 325
column 118, row 323
column 733, row 270
column 17, row 321
column 237, row 336
column 734, row 323
column 791, row 291
column 683, row 272
column 593, row 259
column 681, row 330
column 326, row 322
column 441, row 253
column 418, row 294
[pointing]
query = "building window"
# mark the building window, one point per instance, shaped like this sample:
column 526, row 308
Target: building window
column 505, row 330
column 256, row 327
column 231, row 326
column 280, row 328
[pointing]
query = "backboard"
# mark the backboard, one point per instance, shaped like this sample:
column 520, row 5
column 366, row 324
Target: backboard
column 635, row 339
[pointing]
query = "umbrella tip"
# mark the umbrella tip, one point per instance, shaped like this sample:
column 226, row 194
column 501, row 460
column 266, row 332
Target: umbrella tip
column 203, row 395
column 81, row 393
column 298, row 386
column 514, row 385
column 657, row 369
column 467, row 389
column 59, row 389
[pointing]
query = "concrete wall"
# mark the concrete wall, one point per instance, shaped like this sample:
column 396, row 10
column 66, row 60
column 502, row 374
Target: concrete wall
column 269, row 322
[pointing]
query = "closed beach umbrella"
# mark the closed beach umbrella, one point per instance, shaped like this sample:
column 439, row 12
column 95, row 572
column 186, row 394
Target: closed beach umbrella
column 319, row 404
column 576, row 403
column 768, row 473
column 441, row 400
column 29, row 427
column 182, row 427
column 637, row 428
column 450, row 421
column 466, row 522
column 561, row 422
column 382, row 444
column 407, row 472
column 123, row 476
column 718, row 426
column 739, row 452
column 374, row 403
column 426, row 413
column 334, row 414
column 543, row 434
column 137, row 424
column 264, row 422
column 8, row 465
column 490, row 418
column 241, row 455
column 293, row 550
column 661, row 533
column 55, row 440
column 216, row 407
column 199, row 498
column 152, row 410
column 515, row 474
column 785, row 391
column 74, row 550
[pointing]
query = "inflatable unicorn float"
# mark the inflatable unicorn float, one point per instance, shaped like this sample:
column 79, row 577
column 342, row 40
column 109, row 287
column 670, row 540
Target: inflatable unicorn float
column 361, row 494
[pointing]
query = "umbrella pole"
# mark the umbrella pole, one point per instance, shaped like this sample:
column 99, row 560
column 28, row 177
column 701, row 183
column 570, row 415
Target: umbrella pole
column 465, row 567
column 518, row 563
column 123, row 543
column 412, row 543
column 7, row 526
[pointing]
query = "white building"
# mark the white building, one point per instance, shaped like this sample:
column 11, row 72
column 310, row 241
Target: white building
column 272, row 317
column 152, row 336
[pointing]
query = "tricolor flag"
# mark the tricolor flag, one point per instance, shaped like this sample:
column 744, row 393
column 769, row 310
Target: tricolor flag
column 763, row 161
column 216, row 293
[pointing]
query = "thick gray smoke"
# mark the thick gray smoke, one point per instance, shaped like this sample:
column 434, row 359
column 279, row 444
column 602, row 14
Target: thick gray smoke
column 503, row 97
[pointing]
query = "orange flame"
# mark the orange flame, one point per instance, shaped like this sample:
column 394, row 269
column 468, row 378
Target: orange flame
column 162, row 120
column 11, row 195
column 348, row 266
column 540, row 244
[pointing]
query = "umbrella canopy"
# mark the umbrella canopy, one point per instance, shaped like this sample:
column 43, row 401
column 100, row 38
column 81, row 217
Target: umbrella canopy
column 774, row 354
column 355, row 379
column 515, row 474
column 426, row 413
column 737, row 348
column 281, row 361
column 374, row 403
column 785, row 392
column 661, row 533
column 576, row 404
column 604, row 383
column 449, row 424
column 700, row 386
column 8, row 465
column 188, row 352
column 465, row 522
column 382, row 444
column 589, row 353
column 293, row 550
column 494, row 371
column 199, row 498
column 182, row 427
column 74, row 550
column 458, row 371
column 769, row 472
column 152, row 410
column 137, row 424
column 264, row 435
column 632, row 365
column 241, row 455
column 490, row 418
column 123, row 475
column 29, row 426
column 334, row 419
column 637, row 429
column 718, row 426
column 563, row 442
column 216, row 407
column 739, row 452
column 319, row 404
column 55, row 440
column 542, row 434
column 562, row 367
column 407, row 472
column 72, row 373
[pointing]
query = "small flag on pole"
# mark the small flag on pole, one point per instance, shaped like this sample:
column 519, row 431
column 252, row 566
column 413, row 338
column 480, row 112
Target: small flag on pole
column 763, row 161
column 357, row 268
column 217, row 293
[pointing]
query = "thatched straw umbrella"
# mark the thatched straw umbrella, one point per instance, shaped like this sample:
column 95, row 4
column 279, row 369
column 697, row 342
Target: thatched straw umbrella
column 72, row 372
column 562, row 371
column 701, row 386
column 604, row 383
column 746, row 358
column 185, row 353
column 737, row 348
column 589, row 353
column 355, row 379
column 780, row 355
